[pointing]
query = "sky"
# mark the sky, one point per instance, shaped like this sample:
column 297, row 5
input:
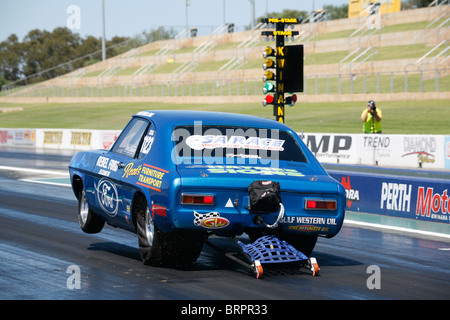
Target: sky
column 130, row 17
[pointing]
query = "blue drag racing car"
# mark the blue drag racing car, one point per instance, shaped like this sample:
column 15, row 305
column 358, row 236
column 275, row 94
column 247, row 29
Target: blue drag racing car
column 176, row 177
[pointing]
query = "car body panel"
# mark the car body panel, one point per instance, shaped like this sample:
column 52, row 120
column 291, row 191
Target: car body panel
column 112, row 179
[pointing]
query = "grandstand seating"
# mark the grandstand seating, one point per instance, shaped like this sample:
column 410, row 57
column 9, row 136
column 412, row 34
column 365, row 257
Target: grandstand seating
column 411, row 41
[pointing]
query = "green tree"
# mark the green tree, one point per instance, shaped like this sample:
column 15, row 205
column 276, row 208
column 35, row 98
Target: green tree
column 337, row 12
column 152, row 35
column 413, row 4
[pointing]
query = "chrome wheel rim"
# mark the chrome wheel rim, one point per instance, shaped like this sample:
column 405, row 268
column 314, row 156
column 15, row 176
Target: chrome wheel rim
column 84, row 209
column 149, row 226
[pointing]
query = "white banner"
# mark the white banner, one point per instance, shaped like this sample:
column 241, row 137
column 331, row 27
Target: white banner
column 416, row 151
column 396, row 150
column 75, row 139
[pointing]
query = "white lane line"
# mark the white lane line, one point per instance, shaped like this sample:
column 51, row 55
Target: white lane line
column 28, row 170
column 382, row 226
column 47, row 182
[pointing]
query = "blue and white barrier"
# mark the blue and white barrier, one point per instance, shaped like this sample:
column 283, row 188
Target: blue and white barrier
column 413, row 198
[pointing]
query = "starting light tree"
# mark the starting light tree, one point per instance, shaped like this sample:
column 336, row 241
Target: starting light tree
column 288, row 64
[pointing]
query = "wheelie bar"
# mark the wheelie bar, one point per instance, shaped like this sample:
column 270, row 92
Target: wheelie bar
column 269, row 249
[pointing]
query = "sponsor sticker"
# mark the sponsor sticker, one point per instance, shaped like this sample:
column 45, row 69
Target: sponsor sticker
column 198, row 142
column 210, row 220
column 108, row 197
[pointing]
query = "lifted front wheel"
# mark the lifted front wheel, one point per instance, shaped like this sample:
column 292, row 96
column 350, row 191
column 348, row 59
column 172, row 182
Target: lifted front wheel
column 89, row 222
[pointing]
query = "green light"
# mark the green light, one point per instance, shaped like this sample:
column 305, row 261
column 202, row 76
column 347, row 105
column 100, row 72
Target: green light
column 268, row 87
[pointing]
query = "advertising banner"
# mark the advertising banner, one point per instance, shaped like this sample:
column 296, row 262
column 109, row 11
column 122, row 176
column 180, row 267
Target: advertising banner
column 18, row 137
column 402, row 197
column 68, row 139
column 331, row 147
column 447, row 152
column 412, row 151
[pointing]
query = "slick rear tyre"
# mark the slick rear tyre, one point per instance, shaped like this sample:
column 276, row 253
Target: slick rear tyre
column 159, row 249
column 89, row 222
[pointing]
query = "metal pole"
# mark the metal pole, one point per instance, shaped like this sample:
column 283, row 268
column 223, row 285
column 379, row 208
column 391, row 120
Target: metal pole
column 187, row 21
column 252, row 22
column 103, row 32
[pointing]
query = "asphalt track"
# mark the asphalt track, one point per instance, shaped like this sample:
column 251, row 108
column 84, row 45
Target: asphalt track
column 42, row 248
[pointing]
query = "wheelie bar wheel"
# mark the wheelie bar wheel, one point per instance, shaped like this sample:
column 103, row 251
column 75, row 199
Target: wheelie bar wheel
column 314, row 266
column 257, row 269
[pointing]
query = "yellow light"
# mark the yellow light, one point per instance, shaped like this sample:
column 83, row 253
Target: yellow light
column 269, row 63
column 268, row 51
column 268, row 75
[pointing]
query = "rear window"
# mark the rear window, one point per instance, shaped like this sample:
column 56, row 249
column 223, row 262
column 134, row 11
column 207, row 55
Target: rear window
column 234, row 145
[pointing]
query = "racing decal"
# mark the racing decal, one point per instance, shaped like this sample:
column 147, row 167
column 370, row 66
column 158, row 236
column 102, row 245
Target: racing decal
column 130, row 170
column 151, row 177
column 308, row 228
column 198, row 142
column 254, row 170
column 309, row 220
column 210, row 220
column 107, row 196
column 106, row 165
column 148, row 141
column 146, row 114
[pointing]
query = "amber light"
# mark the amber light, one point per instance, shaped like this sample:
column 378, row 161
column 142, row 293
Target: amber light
column 317, row 204
column 197, row 199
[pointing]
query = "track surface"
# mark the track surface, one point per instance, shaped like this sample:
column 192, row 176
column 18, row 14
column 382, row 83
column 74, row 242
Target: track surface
column 41, row 244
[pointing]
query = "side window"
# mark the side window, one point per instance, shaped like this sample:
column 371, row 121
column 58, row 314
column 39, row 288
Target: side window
column 128, row 141
column 148, row 142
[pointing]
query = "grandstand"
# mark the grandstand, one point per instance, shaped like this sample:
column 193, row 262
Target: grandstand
column 404, row 57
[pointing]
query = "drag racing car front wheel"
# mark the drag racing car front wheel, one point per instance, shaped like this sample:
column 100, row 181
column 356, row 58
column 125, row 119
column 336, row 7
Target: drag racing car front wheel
column 88, row 221
column 165, row 249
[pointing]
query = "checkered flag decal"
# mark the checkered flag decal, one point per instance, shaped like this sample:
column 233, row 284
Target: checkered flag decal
column 199, row 217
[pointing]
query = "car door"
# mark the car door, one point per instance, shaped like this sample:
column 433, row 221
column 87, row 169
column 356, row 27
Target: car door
column 113, row 191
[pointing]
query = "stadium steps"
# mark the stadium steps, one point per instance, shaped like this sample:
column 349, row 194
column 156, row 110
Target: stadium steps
column 166, row 52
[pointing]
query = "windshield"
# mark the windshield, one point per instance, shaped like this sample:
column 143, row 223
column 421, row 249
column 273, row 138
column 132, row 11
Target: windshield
column 233, row 145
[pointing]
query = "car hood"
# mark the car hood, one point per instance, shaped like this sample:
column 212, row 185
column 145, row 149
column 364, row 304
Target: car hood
column 291, row 178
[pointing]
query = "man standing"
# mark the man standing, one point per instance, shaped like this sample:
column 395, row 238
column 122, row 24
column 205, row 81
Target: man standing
column 371, row 117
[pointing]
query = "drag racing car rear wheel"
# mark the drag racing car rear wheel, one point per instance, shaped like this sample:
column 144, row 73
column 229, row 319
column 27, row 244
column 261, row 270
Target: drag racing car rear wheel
column 165, row 249
column 88, row 221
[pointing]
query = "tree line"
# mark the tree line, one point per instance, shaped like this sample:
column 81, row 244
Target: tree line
column 43, row 55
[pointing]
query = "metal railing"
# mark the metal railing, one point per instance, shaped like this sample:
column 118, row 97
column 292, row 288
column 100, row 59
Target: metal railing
column 430, row 80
